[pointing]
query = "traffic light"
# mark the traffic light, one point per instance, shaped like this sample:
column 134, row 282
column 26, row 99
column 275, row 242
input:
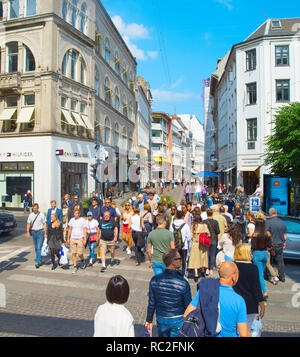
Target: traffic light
column 94, row 172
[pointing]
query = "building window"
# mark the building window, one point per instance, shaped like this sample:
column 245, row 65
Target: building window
column 29, row 99
column 124, row 139
column 107, row 51
column 107, row 131
column 252, row 129
column 29, row 60
column 276, row 24
column 74, row 13
column 65, row 10
column 130, row 111
column 64, row 102
column 282, row 55
column 12, row 101
column 82, row 72
column 117, row 64
column 83, row 18
column 97, row 82
column 124, row 107
column 30, row 7
column 283, row 90
column 251, row 93
column 116, row 135
column 130, row 142
column 251, row 60
column 74, row 105
column 12, row 57
column 14, row 9
column 107, row 91
column 98, row 41
column 74, row 57
column 117, row 99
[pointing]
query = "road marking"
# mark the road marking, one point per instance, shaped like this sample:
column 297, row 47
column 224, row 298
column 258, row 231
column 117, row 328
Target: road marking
column 14, row 253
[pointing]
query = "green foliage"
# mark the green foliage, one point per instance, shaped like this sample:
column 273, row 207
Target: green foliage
column 169, row 198
column 283, row 146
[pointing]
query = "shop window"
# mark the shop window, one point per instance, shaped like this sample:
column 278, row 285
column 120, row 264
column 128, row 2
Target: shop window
column 10, row 126
column 30, row 7
column 12, row 57
column 14, row 9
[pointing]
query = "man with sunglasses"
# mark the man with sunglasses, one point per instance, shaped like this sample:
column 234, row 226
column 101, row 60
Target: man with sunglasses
column 169, row 296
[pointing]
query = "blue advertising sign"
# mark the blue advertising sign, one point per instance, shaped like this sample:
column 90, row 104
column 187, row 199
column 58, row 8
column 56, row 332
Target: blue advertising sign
column 277, row 194
column 255, row 203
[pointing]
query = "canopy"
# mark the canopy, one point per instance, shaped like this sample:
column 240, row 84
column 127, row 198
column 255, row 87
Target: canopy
column 206, row 174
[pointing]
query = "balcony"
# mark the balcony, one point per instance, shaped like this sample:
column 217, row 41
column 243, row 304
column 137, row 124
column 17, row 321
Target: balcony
column 10, row 83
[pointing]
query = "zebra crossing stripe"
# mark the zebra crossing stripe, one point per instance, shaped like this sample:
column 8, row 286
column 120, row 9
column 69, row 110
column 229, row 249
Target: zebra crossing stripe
column 14, row 253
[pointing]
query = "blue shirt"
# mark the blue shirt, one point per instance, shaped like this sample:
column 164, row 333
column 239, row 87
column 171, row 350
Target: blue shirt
column 111, row 210
column 232, row 310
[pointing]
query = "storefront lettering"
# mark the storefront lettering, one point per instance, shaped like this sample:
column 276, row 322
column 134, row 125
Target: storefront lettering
column 15, row 154
column 72, row 154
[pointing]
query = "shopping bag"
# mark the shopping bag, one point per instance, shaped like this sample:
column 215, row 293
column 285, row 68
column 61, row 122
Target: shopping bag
column 45, row 249
column 99, row 252
column 63, row 256
column 256, row 328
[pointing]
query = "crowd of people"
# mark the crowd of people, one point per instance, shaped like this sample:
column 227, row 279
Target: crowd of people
column 192, row 240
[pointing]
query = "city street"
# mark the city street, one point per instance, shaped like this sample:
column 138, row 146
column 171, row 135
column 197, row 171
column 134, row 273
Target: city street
column 41, row 302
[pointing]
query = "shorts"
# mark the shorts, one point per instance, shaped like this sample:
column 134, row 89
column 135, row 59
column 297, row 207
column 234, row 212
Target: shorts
column 76, row 246
column 107, row 245
column 126, row 228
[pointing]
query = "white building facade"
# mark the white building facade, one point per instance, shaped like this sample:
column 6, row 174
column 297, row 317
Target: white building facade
column 66, row 78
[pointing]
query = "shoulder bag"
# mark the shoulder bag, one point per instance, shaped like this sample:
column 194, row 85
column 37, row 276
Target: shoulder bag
column 31, row 224
column 204, row 239
column 92, row 237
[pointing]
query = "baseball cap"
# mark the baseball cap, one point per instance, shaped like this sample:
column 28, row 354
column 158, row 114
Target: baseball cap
column 89, row 214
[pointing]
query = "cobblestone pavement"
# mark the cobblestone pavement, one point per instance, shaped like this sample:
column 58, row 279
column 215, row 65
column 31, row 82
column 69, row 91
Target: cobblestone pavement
column 41, row 302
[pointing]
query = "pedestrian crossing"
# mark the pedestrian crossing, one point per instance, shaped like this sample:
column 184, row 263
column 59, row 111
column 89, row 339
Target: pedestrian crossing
column 7, row 252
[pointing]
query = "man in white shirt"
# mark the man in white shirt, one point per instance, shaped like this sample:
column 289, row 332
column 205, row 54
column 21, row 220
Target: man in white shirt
column 36, row 226
column 77, row 239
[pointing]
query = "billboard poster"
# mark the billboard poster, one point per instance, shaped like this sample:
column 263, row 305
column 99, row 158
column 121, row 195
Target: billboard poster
column 277, row 194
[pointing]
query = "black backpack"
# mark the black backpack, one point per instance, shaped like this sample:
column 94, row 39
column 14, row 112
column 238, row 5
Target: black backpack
column 178, row 236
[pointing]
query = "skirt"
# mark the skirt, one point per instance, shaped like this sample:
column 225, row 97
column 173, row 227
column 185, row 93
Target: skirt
column 199, row 257
column 126, row 228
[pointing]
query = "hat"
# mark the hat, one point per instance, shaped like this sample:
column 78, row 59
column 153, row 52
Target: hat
column 89, row 214
column 140, row 195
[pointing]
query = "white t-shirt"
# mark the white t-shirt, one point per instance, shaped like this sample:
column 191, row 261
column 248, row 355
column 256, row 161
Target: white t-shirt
column 136, row 223
column 113, row 320
column 39, row 221
column 91, row 226
column 77, row 227
column 225, row 243
column 204, row 216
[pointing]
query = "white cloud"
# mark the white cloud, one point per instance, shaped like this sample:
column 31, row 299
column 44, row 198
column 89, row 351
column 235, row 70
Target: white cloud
column 177, row 83
column 227, row 3
column 131, row 32
column 170, row 96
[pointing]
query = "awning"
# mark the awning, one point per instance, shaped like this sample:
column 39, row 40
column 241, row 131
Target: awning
column 248, row 168
column 219, row 170
column 87, row 122
column 25, row 115
column 78, row 119
column 228, row 170
column 7, row 114
column 68, row 117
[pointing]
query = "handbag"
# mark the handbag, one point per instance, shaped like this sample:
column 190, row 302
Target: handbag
column 93, row 237
column 272, row 251
column 204, row 239
column 31, row 224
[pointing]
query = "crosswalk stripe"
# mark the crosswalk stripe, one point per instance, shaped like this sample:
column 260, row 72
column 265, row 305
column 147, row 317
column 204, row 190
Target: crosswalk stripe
column 14, row 253
column 88, row 273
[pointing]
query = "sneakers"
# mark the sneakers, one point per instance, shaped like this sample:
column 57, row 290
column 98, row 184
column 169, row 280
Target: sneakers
column 90, row 263
column 83, row 265
column 103, row 269
column 113, row 262
column 128, row 251
column 274, row 281
column 75, row 270
column 53, row 267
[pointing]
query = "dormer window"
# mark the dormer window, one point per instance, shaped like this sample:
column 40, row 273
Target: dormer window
column 276, row 24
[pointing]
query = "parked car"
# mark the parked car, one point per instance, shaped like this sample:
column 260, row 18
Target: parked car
column 7, row 222
column 292, row 250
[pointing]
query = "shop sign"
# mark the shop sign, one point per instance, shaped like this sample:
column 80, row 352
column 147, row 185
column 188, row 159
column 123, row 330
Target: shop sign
column 15, row 154
column 70, row 154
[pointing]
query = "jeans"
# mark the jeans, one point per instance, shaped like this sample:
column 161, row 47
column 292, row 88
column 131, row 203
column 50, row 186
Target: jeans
column 212, row 255
column 169, row 327
column 92, row 247
column 278, row 260
column 183, row 253
column 158, row 268
column 260, row 259
column 138, row 250
column 38, row 240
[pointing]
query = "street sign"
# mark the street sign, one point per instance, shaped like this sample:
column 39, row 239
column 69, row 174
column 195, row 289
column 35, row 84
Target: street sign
column 255, row 203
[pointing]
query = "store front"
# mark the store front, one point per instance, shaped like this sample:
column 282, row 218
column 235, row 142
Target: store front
column 250, row 179
column 74, row 179
column 16, row 178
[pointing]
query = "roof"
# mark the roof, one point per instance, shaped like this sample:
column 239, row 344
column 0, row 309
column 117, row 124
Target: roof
column 288, row 26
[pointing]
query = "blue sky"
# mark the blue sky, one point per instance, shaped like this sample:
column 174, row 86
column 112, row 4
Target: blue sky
column 177, row 43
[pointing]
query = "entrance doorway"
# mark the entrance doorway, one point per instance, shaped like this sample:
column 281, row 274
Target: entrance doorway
column 74, row 179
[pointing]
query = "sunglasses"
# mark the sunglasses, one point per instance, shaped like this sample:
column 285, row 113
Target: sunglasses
column 178, row 259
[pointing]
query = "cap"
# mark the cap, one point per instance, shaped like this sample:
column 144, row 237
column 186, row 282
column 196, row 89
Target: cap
column 89, row 214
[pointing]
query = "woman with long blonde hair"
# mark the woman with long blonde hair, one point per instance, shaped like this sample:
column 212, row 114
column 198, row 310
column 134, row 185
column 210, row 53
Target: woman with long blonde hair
column 55, row 239
column 126, row 231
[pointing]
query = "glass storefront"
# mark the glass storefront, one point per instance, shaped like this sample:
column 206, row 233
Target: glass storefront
column 74, row 179
column 16, row 178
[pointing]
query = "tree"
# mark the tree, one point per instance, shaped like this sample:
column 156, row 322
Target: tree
column 283, row 146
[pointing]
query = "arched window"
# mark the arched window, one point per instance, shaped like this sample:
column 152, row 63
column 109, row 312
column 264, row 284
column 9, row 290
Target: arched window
column 83, row 18
column 74, row 58
column 30, row 7
column 107, row 91
column 98, row 41
column 97, row 82
column 64, row 68
column 12, row 50
column 124, row 139
column 130, row 116
column 82, row 72
column 107, row 51
column 124, row 106
column 116, row 135
column 125, row 76
column 29, row 60
column 74, row 13
column 107, row 131
column 117, row 64
column 65, row 10
column 117, row 99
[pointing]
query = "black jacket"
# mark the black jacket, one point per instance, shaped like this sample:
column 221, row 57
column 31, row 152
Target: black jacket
column 213, row 227
column 169, row 295
column 55, row 237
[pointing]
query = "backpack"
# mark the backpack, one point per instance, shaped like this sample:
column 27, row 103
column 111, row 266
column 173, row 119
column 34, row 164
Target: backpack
column 178, row 236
